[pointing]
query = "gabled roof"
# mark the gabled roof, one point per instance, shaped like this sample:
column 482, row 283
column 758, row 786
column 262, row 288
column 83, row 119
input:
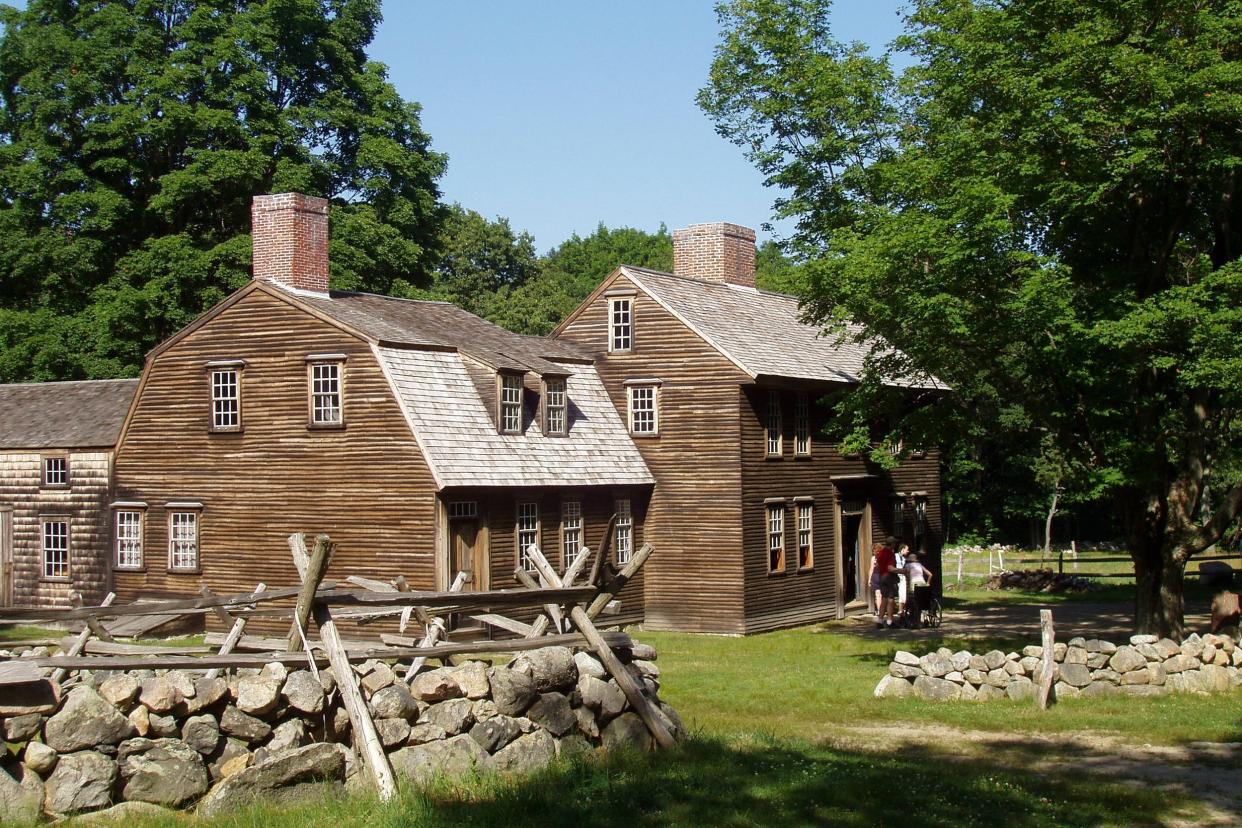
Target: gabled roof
column 459, row 439
column 64, row 415
column 423, row 323
column 760, row 331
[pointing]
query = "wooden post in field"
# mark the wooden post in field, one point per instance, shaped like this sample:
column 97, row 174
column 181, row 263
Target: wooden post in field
column 235, row 634
column 961, row 558
column 58, row 675
column 614, row 586
column 316, row 567
column 366, row 739
column 1044, row 695
column 1061, row 561
column 434, row 629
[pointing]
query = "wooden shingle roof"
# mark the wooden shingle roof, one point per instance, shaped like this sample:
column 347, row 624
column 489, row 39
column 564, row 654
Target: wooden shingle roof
column 64, row 415
column 760, row 331
column 460, row 442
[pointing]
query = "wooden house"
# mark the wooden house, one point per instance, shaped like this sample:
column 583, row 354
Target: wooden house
column 423, row 439
column 759, row 521
column 56, row 453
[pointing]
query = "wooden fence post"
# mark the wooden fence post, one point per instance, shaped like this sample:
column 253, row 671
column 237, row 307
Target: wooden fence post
column 435, row 628
column 1044, row 693
column 235, row 634
column 316, row 568
column 88, row 628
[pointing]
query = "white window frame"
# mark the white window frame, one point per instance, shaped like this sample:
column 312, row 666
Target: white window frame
column 54, row 548
column 571, row 531
column 899, row 518
column 509, row 400
column 774, row 514
column 806, row 534
column 623, row 546
column 326, row 393
column 802, row 425
column 225, row 398
column 183, row 546
column 526, row 531
column 644, row 408
column 556, row 406
column 127, row 547
column 774, row 426
column 621, row 324
column 55, row 466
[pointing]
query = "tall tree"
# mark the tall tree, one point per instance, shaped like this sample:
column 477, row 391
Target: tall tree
column 132, row 137
column 481, row 261
column 1042, row 209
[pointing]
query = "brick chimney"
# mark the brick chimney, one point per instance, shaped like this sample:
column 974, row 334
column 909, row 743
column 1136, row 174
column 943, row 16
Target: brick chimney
column 290, row 241
column 716, row 252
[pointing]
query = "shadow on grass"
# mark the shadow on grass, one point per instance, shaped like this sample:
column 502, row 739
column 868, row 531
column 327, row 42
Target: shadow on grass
column 763, row 782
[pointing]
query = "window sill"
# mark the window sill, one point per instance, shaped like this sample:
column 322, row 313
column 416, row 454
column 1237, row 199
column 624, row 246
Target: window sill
column 55, row 486
column 325, row 426
column 195, row 571
column 647, row 435
column 130, row 569
column 777, row 573
column 803, row 569
column 806, row 456
column 774, row 457
column 626, row 352
column 60, row 579
column 226, row 431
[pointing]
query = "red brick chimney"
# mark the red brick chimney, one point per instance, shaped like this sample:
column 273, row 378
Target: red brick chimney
column 290, row 241
column 716, row 252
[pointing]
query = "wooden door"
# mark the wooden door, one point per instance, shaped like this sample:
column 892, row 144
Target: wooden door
column 6, row 558
column 854, row 552
column 467, row 554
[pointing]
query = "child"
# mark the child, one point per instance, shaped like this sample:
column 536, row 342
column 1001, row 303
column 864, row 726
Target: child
column 919, row 579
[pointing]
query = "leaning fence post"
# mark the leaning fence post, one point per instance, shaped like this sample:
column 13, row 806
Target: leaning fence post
column 58, row 675
column 1044, row 695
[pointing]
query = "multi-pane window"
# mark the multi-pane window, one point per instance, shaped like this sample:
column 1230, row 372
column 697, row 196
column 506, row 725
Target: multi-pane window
column 527, row 533
column 802, row 424
column 621, row 325
column 554, row 407
column 511, row 403
column 55, row 471
column 776, row 537
column 899, row 517
column 55, row 548
column 920, row 515
column 644, row 415
column 464, row 509
column 806, row 533
column 325, row 379
column 624, row 546
column 571, row 530
column 128, row 540
column 773, row 429
column 183, row 540
column 225, row 399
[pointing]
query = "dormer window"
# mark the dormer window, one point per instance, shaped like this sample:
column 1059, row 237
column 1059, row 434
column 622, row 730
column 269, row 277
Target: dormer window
column 773, row 430
column 555, row 406
column 621, row 324
column 510, row 404
column 802, row 425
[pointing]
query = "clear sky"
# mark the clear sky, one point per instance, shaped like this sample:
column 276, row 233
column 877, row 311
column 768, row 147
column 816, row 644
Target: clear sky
column 560, row 114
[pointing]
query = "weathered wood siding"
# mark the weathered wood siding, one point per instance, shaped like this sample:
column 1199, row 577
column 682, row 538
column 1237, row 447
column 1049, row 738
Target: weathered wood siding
column 367, row 484
column 84, row 502
column 694, row 581
column 775, row 600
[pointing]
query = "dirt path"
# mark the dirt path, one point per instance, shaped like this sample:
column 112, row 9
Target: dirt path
column 1208, row 774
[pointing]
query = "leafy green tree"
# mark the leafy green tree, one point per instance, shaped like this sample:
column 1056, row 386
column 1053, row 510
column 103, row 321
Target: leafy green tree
column 482, row 261
column 132, row 137
column 1043, row 210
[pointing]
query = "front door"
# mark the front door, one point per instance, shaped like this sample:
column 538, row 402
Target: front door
column 851, row 551
column 466, row 554
column 6, row 558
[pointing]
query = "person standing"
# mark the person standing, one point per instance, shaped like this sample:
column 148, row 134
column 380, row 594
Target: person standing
column 886, row 570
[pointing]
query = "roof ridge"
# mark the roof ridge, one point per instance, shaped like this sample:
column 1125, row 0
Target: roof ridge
column 45, row 383
column 392, row 298
column 693, row 280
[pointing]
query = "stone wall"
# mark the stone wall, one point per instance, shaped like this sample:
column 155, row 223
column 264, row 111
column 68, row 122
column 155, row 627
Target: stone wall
column 1147, row 666
column 173, row 739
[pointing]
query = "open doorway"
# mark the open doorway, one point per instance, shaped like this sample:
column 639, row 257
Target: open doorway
column 854, row 553
column 6, row 558
column 851, row 555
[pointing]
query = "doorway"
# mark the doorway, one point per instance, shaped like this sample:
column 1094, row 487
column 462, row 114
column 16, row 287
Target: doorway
column 6, row 558
column 854, row 553
column 851, row 549
column 466, row 554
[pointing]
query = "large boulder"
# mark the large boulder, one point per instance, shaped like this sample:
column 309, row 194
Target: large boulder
column 243, row 726
column 202, row 733
column 937, row 689
column 32, row 697
column 454, row 757
column 162, row 771
column 21, row 798
column 82, row 781
column 278, row 778
column 936, row 665
column 604, row 697
column 891, row 687
column 552, row 712
column 1127, row 658
column 1021, row 689
column 1075, row 675
column 392, row 732
column 627, row 732
column 525, row 754
column 393, row 702
column 119, row 690
column 512, row 691
column 551, row 668
column 22, row 728
column 494, row 733
column 257, row 695
column 904, row 671
column 454, row 715
column 589, row 665
column 207, row 692
column 159, row 695
column 127, row 812
column 287, row 735
column 86, row 720
column 39, row 758
column 471, row 677
column 304, row 693
column 436, row 685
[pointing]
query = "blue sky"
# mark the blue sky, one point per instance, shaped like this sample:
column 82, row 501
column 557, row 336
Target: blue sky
column 560, row 115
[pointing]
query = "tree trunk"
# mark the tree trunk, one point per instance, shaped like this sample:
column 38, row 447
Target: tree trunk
column 1159, row 600
column 1052, row 512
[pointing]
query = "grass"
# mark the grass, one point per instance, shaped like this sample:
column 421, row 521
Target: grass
column 26, row 632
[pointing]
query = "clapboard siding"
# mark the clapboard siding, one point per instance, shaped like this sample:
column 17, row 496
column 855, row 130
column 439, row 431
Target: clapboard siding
column 694, row 579
column 84, row 502
column 366, row 485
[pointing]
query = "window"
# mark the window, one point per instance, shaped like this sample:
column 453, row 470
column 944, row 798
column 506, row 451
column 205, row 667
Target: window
column 624, row 546
column 510, row 403
column 802, row 425
column 621, row 325
column 896, row 448
column 55, row 548
column 55, row 471
column 463, row 509
column 128, row 540
column 183, row 540
column 225, row 400
column 571, row 531
column 806, row 533
column 776, row 537
column 644, row 413
column 899, row 517
column 527, row 533
column 773, row 430
column 325, row 381
column 920, row 515
column 555, row 420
